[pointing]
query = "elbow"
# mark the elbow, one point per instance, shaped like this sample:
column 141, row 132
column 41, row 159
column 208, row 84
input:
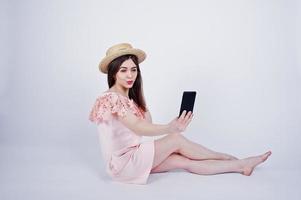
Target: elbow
column 137, row 127
column 143, row 128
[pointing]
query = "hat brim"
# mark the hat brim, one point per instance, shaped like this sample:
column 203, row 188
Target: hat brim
column 103, row 65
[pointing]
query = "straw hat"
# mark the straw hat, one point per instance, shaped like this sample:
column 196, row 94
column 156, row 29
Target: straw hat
column 117, row 51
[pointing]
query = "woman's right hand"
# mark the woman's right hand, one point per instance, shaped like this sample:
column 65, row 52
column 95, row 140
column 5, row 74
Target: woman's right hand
column 179, row 124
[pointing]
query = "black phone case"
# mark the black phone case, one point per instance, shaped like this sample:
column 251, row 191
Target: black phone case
column 188, row 99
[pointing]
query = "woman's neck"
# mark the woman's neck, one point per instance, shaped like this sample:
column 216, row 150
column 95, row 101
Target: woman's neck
column 122, row 91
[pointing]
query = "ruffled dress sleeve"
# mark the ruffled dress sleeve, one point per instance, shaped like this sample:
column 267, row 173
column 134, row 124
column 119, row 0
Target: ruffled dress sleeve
column 111, row 104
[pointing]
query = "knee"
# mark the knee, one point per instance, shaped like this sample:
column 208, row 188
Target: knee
column 177, row 139
column 176, row 136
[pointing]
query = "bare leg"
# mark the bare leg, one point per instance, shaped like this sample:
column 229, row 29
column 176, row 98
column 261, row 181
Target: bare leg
column 174, row 161
column 208, row 167
column 177, row 143
column 202, row 153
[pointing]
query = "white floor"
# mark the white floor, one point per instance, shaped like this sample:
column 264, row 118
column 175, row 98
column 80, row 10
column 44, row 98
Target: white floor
column 67, row 173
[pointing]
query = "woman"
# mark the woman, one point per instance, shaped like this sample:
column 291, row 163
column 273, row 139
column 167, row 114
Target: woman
column 122, row 119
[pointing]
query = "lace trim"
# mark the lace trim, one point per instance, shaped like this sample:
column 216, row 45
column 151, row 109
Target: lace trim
column 113, row 103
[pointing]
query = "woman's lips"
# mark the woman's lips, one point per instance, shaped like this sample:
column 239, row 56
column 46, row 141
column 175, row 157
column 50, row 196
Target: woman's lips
column 130, row 82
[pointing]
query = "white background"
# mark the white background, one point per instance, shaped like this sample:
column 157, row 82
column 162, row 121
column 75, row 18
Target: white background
column 242, row 57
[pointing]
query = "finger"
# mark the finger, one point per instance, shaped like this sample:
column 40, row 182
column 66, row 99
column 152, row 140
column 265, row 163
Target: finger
column 191, row 116
column 182, row 117
column 187, row 123
column 189, row 119
column 188, row 115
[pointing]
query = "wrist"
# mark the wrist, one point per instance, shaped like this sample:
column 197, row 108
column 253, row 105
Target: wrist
column 167, row 129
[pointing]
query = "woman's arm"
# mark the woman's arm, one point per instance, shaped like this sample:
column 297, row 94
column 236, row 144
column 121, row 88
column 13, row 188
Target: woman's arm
column 145, row 128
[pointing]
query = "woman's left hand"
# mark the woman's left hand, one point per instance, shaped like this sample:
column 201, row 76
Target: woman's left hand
column 179, row 124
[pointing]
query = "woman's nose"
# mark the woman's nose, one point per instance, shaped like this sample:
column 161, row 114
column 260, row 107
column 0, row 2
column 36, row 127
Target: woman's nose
column 129, row 74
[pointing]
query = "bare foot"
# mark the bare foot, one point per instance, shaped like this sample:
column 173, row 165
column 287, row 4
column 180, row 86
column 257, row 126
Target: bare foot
column 250, row 163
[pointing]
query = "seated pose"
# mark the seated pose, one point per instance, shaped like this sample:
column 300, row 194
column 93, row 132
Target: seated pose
column 122, row 119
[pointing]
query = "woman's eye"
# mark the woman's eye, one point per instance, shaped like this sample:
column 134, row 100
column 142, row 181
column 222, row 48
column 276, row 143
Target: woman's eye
column 122, row 70
column 134, row 70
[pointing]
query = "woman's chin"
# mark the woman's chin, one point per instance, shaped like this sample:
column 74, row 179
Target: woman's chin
column 128, row 86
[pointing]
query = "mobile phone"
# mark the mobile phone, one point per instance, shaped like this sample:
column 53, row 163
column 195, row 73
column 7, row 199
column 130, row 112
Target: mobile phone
column 188, row 100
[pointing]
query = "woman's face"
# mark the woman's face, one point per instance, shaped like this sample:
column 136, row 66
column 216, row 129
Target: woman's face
column 126, row 75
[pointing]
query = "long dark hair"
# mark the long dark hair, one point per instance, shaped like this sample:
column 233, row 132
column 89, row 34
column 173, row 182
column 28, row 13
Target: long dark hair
column 136, row 92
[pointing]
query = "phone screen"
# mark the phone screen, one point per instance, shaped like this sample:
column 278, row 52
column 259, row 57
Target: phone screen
column 187, row 103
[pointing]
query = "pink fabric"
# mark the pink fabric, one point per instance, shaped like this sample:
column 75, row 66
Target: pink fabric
column 127, row 158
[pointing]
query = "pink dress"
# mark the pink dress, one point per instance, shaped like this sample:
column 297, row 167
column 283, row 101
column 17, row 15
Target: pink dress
column 127, row 159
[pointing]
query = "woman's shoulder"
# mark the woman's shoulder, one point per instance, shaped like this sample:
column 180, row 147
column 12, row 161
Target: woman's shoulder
column 109, row 99
column 109, row 103
column 112, row 96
